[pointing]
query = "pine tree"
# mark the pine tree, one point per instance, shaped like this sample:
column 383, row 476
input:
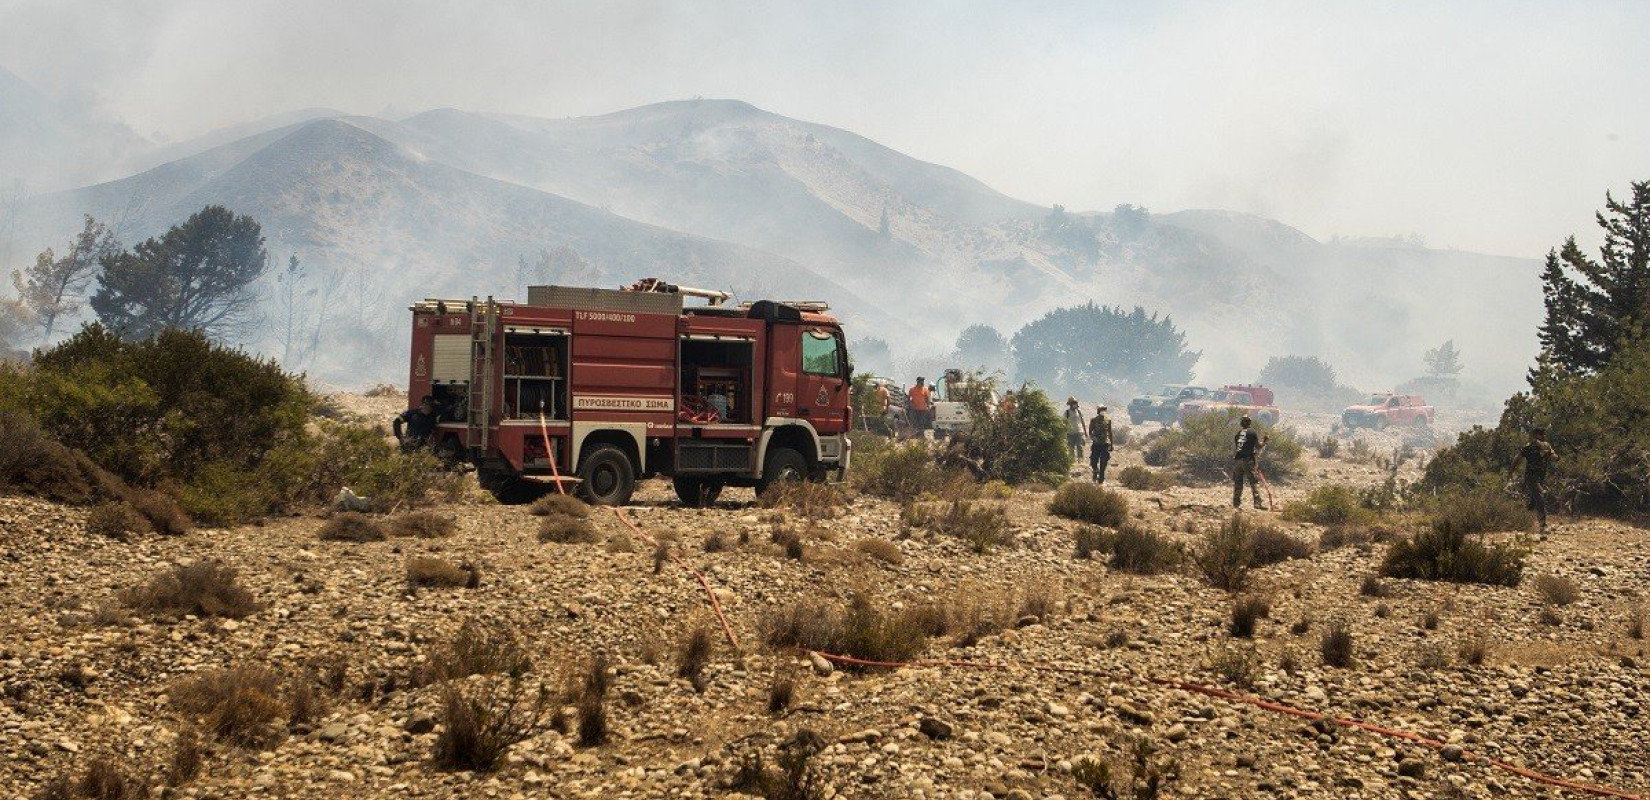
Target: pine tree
column 1594, row 307
column 198, row 276
column 1443, row 361
column 55, row 288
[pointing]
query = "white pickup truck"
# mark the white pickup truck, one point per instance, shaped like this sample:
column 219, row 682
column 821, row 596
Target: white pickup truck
column 951, row 395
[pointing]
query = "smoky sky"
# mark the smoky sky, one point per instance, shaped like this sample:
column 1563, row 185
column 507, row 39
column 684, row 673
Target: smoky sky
column 1491, row 126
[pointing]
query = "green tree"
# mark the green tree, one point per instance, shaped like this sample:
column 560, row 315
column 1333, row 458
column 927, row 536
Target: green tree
column 1079, row 349
column 1594, row 307
column 55, row 287
column 1299, row 372
column 984, row 348
column 197, row 276
column 1443, row 361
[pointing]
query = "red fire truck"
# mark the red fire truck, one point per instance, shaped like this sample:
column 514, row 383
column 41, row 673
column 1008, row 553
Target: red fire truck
column 600, row 387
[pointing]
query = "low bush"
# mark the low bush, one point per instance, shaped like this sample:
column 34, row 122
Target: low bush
column 1201, row 448
column 1483, row 511
column 1337, row 536
column 1270, row 545
column 900, row 472
column 350, row 526
column 1140, row 550
column 204, row 589
column 983, row 527
column 1442, row 553
column 1237, row 666
column 1334, row 504
column 1328, row 447
column 106, row 778
column 781, row 693
column 422, row 525
column 1091, row 503
column 1336, row 645
column 807, row 499
column 477, row 648
column 694, row 655
column 559, row 505
column 1021, row 445
column 1093, row 540
column 568, row 530
column 881, row 550
column 164, row 514
column 1227, row 554
column 1371, row 586
column 791, row 777
column 429, row 571
column 482, row 720
column 240, row 705
column 590, row 701
column 1140, row 478
column 187, row 759
column 862, row 630
column 117, row 521
column 1557, row 590
column 1474, row 651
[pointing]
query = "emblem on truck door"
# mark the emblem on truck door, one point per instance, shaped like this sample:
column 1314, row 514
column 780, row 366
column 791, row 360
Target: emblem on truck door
column 824, row 398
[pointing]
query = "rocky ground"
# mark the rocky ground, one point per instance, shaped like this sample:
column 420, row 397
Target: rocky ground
column 1562, row 690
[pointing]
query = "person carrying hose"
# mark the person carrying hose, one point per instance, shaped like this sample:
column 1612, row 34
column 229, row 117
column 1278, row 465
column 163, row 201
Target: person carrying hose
column 1249, row 447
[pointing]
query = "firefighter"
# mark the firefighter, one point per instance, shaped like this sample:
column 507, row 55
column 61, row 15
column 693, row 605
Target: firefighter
column 1099, row 443
column 420, row 424
column 1249, row 445
column 1075, row 430
column 922, row 406
column 880, row 403
column 1536, row 456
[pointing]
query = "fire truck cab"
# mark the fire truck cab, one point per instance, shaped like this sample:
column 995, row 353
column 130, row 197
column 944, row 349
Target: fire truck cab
column 597, row 388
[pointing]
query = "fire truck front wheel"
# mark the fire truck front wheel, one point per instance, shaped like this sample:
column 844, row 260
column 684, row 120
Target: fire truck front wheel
column 606, row 476
column 783, row 465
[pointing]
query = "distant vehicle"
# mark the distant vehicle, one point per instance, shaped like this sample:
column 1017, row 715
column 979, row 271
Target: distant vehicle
column 1256, row 401
column 1164, row 406
column 952, row 394
column 1388, row 409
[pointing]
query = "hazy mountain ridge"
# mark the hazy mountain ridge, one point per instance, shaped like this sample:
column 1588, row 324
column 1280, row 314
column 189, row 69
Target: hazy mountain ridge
column 725, row 194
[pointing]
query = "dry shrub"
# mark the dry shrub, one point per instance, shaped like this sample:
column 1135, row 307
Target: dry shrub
column 304, row 702
column 694, row 655
column 187, row 759
column 1246, row 611
column 1371, row 586
column 1091, row 503
column 863, row 630
column 1270, row 545
column 239, row 705
column 204, row 588
column 881, row 549
column 1484, row 511
column 1140, row 550
column 1336, row 645
column 983, row 527
column 807, row 499
column 1140, row 478
column 714, row 543
column 564, row 529
column 422, row 525
column 1335, row 537
column 790, row 541
column 117, row 521
column 1431, row 657
column 1557, row 590
column 106, row 778
column 1444, row 553
column 1236, row 666
column 165, row 516
column 562, row 505
column 792, row 776
column 1636, row 622
column 477, row 648
column 427, row 571
column 1473, row 651
column 58, row 787
column 1092, row 540
column 481, row 721
column 781, row 693
column 351, row 526
column 1227, row 554
column 899, row 472
column 590, row 700
column 1330, row 505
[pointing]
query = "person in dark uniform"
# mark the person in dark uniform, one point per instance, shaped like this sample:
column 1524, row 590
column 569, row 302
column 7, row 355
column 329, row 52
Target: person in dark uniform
column 1249, row 446
column 419, row 422
column 1536, row 456
column 1099, row 443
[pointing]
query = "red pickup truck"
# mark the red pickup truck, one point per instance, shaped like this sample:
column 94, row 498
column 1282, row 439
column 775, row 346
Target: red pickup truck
column 1384, row 410
column 1256, row 401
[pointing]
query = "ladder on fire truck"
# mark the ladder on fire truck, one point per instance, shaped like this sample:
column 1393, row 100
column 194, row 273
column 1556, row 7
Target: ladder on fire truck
column 483, row 334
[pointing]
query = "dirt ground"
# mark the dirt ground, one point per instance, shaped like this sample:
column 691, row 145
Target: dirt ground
column 1562, row 689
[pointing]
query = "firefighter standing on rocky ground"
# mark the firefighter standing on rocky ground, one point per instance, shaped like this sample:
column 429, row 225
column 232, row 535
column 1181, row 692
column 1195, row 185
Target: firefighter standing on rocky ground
column 1099, row 443
column 1249, row 446
column 420, row 424
column 921, row 407
column 1075, row 429
column 1537, row 456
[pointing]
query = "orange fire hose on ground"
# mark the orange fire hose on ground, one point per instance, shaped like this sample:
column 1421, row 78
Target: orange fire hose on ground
column 715, row 604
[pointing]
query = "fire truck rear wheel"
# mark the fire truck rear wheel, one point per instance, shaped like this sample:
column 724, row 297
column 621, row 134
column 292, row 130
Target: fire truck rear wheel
column 696, row 492
column 783, row 465
column 606, row 476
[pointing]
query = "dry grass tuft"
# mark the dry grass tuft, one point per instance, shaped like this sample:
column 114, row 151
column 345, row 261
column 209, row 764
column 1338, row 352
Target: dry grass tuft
column 1237, row 666
column 1557, row 590
column 1141, row 478
column 107, row 779
column 781, row 693
column 240, row 705
column 205, row 589
column 1336, row 645
column 984, row 527
column 694, row 655
column 1372, row 586
column 477, row 648
column 562, row 505
column 186, row 760
column 422, row 525
column 1087, row 502
column 564, row 529
column 481, row 721
column 429, row 571
column 863, row 629
column 591, row 702
column 881, row 549
column 806, row 499
column 1246, row 611
column 1140, row 550
column 351, row 526
column 1474, row 651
